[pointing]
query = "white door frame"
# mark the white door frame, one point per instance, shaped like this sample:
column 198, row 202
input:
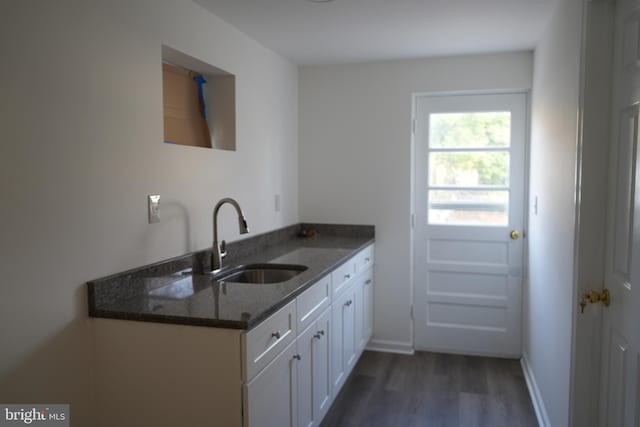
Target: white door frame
column 414, row 99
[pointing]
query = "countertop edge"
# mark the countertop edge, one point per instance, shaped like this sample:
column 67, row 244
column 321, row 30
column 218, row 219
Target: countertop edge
column 174, row 320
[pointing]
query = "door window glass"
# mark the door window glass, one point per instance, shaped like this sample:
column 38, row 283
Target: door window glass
column 469, row 168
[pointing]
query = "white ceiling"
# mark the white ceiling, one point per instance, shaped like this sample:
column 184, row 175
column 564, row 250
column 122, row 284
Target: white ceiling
column 365, row 30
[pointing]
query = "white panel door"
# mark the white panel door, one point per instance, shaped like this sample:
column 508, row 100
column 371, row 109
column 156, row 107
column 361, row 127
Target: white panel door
column 620, row 379
column 469, row 195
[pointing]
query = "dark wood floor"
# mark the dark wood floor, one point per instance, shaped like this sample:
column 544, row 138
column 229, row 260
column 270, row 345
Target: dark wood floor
column 434, row 390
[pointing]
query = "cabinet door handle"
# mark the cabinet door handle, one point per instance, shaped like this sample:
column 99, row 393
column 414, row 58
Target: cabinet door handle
column 367, row 259
column 297, row 356
column 321, row 332
column 317, row 336
column 276, row 334
column 347, row 276
column 368, row 282
column 348, row 303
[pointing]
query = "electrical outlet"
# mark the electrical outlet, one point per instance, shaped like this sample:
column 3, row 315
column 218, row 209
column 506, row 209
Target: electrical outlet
column 154, row 208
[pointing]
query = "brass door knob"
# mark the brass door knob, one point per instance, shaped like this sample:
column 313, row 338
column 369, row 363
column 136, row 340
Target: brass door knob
column 594, row 297
column 515, row 234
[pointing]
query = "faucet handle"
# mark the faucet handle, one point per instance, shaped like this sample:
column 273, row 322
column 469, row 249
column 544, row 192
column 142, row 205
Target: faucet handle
column 223, row 249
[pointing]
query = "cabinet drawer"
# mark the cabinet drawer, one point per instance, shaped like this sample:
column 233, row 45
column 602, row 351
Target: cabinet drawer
column 341, row 277
column 364, row 259
column 263, row 343
column 312, row 302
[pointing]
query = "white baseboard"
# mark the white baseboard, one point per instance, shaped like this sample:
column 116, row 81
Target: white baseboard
column 390, row 346
column 446, row 350
column 534, row 391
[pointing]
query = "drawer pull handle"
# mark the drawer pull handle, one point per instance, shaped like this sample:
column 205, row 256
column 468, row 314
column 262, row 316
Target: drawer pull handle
column 368, row 282
column 297, row 356
column 276, row 334
column 348, row 303
column 347, row 276
column 317, row 336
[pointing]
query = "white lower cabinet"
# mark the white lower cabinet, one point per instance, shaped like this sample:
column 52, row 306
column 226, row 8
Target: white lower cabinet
column 352, row 316
column 304, row 368
column 297, row 387
column 365, row 309
column 294, row 389
column 322, row 396
column 344, row 338
column 313, row 381
column 270, row 399
column 358, row 303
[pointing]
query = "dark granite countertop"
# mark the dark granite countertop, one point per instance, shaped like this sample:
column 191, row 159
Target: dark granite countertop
column 168, row 292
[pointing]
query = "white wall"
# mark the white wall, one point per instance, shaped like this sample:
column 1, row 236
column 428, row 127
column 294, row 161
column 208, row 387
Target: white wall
column 81, row 121
column 355, row 156
column 548, row 297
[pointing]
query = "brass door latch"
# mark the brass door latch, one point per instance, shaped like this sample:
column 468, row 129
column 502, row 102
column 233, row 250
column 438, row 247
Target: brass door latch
column 594, row 297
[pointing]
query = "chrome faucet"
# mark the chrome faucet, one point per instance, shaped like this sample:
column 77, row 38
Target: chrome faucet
column 219, row 251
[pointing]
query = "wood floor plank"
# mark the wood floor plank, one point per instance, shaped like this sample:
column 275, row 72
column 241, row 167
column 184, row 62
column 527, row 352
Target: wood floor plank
column 350, row 405
column 433, row 410
column 432, row 390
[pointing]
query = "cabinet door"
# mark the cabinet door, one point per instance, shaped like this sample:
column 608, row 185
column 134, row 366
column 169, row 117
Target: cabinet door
column 343, row 340
column 270, row 398
column 366, row 309
column 350, row 324
column 358, row 306
column 304, row 367
column 314, row 378
column 321, row 365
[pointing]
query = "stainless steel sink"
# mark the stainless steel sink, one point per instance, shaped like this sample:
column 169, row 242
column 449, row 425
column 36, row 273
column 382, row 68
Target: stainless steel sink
column 261, row 273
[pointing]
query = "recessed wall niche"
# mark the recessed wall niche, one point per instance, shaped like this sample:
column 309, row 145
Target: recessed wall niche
column 199, row 102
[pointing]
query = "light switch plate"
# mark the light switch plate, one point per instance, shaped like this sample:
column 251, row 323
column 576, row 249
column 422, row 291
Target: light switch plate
column 154, row 208
column 276, row 202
